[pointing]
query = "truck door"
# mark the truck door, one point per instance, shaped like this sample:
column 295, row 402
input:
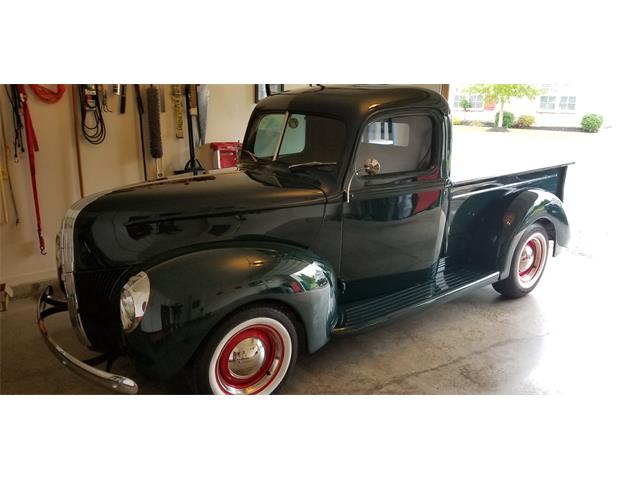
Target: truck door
column 394, row 221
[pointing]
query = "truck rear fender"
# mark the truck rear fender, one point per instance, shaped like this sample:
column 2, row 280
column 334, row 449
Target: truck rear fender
column 525, row 208
column 192, row 293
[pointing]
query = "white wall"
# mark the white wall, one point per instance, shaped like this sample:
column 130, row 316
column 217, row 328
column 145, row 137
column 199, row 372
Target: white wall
column 114, row 163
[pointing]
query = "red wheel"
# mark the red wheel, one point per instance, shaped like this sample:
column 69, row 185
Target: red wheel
column 532, row 259
column 252, row 353
column 529, row 260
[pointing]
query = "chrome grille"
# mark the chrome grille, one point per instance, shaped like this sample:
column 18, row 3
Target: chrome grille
column 65, row 254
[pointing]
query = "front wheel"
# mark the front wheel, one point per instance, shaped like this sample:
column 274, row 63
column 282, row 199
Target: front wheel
column 529, row 260
column 252, row 352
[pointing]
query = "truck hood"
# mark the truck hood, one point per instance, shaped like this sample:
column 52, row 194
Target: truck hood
column 131, row 225
column 227, row 191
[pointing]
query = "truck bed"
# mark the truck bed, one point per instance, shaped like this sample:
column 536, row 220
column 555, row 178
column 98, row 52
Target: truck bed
column 549, row 178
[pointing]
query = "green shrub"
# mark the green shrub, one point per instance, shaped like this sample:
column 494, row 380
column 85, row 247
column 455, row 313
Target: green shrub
column 456, row 121
column 507, row 121
column 591, row 123
column 525, row 121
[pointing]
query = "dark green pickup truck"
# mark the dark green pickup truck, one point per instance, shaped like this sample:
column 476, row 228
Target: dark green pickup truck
column 340, row 216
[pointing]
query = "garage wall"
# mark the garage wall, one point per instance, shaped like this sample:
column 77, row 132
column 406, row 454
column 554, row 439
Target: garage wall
column 113, row 163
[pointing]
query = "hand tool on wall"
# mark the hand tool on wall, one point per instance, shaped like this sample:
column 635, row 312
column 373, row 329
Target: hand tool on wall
column 123, row 97
column 76, row 137
column 103, row 93
column 162, row 98
column 193, row 165
column 155, row 132
column 139, row 104
column 120, row 90
column 6, row 174
column 16, row 115
column 91, row 121
column 202, row 94
column 178, row 108
column 32, row 148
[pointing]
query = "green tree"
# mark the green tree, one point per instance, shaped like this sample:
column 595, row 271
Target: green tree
column 503, row 92
column 466, row 105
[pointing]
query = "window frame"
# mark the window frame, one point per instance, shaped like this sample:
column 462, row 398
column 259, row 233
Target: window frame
column 438, row 149
column 558, row 92
column 254, row 122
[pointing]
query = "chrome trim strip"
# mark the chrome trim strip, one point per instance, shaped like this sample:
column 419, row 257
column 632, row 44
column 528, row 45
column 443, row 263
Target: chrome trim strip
column 516, row 184
column 67, row 262
column 111, row 381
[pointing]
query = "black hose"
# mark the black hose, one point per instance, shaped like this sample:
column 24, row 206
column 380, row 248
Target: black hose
column 91, row 121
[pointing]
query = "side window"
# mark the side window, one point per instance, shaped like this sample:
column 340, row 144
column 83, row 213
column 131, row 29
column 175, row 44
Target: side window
column 400, row 144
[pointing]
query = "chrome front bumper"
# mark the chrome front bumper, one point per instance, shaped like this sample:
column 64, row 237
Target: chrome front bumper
column 47, row 306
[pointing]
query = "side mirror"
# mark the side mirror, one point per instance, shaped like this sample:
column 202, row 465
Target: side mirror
column 371, row 167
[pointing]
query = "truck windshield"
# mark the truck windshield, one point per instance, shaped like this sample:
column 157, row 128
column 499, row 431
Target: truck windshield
column 297, row 140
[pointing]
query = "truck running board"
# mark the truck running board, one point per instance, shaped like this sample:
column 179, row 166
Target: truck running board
column 450, row 282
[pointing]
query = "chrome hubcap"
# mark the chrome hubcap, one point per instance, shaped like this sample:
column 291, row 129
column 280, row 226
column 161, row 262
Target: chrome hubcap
column 251, row 358
column 527, row 257
column 247, row 358
column 532, row 260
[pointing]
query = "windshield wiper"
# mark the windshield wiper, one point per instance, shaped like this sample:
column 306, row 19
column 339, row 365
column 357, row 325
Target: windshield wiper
column 311, row 164
column 252, row 155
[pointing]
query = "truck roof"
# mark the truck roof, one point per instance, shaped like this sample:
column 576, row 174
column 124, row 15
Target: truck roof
column 352, row 103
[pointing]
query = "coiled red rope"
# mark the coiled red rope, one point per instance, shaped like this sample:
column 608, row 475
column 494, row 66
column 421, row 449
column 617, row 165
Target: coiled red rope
column 47, row 95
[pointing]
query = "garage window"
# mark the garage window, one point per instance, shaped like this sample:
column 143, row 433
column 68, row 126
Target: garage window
column 567, row 103
column 476, row 101
column 547, row 102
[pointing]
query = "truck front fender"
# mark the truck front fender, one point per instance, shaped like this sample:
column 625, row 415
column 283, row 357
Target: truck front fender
column 525, row 208
column 192, row 293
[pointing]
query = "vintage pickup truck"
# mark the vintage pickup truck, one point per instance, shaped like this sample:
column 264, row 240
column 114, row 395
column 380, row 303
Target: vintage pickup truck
column 340, row 216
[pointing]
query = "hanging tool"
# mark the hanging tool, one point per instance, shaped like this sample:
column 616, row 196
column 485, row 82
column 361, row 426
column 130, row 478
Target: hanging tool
column 103, row 93
column 91, row 121
column 117, row 89
column 76, row 138
column 16, row 113
column 155, row 132
column 202, row 92
column 6, row 175
column 162, row 98
column 178, row 108
column 32, row 148
column 140, row 113
column 193, row 165
column 123, row 97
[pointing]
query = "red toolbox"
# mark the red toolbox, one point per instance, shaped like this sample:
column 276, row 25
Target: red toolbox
column 225, row 154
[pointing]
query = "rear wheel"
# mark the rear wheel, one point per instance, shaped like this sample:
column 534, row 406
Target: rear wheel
column 252, row 352
column 527, row 265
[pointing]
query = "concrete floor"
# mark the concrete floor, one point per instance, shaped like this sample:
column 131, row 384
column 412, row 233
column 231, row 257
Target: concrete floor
column 562, row 338
column 574, row 334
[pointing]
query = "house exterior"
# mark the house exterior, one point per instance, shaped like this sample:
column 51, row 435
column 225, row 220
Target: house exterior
column 559, row 105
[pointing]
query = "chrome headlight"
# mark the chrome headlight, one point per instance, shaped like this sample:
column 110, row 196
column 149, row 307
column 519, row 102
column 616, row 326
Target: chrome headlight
column 134, row 298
